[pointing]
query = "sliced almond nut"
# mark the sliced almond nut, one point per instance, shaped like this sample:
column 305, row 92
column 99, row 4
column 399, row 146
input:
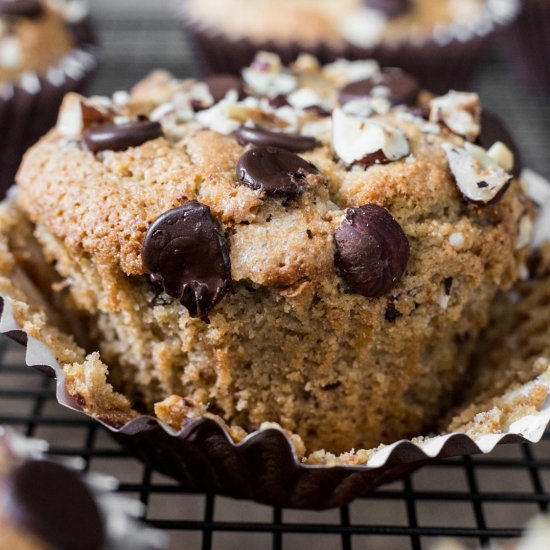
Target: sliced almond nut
column 459, row 111
column 478, row 177
column 77, row 114
column 359, row 140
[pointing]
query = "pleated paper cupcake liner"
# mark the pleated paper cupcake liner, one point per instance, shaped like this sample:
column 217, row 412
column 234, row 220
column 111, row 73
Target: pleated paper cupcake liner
column 529, row 44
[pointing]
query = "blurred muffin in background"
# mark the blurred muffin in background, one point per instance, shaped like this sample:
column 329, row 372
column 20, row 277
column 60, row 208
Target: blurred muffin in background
column 439, row 42
column 529, row 44
column 46, row 50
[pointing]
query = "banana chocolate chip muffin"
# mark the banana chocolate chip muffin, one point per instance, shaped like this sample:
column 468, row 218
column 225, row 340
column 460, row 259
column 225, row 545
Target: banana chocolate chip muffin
column 440, row 42
column 46, row 50
column 315, row 247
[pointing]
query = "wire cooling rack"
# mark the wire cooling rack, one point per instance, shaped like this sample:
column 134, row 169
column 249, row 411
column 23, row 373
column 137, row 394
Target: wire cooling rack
column 476, row 500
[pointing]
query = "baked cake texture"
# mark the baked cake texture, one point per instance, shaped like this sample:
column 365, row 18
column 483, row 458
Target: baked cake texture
column 316, row 247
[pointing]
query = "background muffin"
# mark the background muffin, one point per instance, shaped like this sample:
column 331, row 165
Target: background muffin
column 528, row 45
column 439, row 42
column 46, row 50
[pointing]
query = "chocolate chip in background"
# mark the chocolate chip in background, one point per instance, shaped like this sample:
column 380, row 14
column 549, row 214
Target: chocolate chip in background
column 403, row 88
column 185, row 250
column 52, row 503
column 493, row 129
column 21, row 8
column 390, row 8
column 372, row 251
column 267, row 138
column 275, row 171
column 220, row 84
column 119, row 137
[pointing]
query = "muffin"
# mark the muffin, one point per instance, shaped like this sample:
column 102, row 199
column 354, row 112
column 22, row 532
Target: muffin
column 46, row 50
column 528, row 44
column 319, row 255
column 44, row 505
column 439, row 42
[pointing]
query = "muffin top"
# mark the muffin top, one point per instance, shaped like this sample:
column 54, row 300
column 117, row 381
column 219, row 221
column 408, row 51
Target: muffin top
column 363, row 23
column 346, row 177
column 35, row 35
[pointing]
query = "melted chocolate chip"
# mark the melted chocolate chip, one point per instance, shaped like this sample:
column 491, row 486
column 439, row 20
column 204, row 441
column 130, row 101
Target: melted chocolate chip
column 119, row 137
column 391, row 8
column 51, row 502
column 403, row 89
column 274, row 170
column 185, row 250
column 267, row 138
column 21, row 8
column 220, row 84
column 493, row 130
column 372, row 251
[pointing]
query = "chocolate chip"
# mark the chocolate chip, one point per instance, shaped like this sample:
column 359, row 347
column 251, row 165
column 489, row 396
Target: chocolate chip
column 220, row 84
column 51, row 502
column 267, row 138
column 372, row 251
column 391, row 8
column 21, row 8
column 318, row 111
column 402, row 88
column 185, row 250
column 275, row 171
column 493, row 130
column 119, row 137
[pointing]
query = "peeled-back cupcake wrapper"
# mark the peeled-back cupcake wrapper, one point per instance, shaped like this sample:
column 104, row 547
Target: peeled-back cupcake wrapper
column 264, row 466
column 528, row 44
column 442, row 62
column 28, row 107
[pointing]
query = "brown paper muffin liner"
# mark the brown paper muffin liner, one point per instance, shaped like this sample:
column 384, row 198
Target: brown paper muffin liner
column 441, row 63
column 266, row 466
column 529, row 44
column 28, row 107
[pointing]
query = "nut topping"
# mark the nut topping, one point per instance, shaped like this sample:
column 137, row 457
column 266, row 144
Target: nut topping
column 78, row 114
column 478, row 177
column 359, row 140
column 459, row 111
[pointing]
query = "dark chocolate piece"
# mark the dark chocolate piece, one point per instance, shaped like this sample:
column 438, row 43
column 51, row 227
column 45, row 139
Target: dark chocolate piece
column 493, row 130
column 391, row 8
column 220, row 84
column 403, row 87
column 268, row 138
column 21, row 8
column 52, row 503
column 372, row 251
column 274, row 170
column 119, row 137
column 185, row 250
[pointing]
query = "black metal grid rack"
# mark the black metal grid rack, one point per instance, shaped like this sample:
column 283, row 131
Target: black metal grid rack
column 477, row 499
